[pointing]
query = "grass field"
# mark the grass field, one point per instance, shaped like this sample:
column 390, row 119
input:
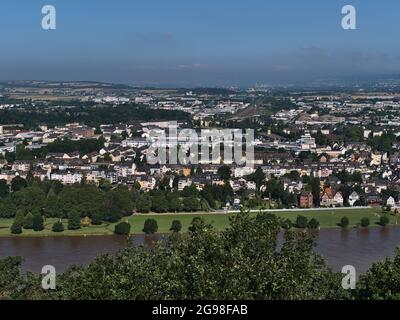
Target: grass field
column 327, row 219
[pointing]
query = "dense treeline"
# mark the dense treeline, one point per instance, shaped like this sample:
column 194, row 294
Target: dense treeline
column 104, row 203
column 242, row 262
column 92, row 116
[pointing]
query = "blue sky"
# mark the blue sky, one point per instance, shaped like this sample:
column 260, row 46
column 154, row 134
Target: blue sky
column 198, row 43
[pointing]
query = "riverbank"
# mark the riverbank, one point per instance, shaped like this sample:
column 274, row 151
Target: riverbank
column 327, row 219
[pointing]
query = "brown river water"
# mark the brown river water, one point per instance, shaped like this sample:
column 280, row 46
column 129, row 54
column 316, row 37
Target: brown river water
column 357, row 247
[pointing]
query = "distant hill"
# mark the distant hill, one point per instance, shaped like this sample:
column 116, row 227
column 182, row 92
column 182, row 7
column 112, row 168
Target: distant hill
column 61, row 84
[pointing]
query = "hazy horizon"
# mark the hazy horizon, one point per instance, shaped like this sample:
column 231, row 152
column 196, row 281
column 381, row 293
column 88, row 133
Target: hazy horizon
column 207, row 43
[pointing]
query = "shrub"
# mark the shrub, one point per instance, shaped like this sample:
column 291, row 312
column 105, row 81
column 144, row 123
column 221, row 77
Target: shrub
column 286, row 224
column 122, row 228
column 384, row 220
column 301, row 222
column 74, row 221
column 16, row 228
column 313, row 224
column 97, row 218
column 86, row 222
column 38, row 222
column 176, row 226
column 58, row 227
column 28, row 221
column 365, row 222
column 344, row 222
column 150, row 226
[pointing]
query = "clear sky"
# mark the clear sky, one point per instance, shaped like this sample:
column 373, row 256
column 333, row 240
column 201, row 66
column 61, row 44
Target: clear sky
column 202, row 42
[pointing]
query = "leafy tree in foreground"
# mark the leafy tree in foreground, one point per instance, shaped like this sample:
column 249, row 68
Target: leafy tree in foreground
column 382, row 281
column 242, row 262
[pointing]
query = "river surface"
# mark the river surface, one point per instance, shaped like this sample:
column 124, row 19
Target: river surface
column 357, row 247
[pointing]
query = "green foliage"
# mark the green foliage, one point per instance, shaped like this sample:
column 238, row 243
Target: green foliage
column 28, row 221
column 38, row 223
column 225, row 172
column 86, row 113
column 97, row 218
column 8, row 208
column 18, row 183
column 365, row 222
column 344, row 222
column 176, row 226
column 313, row 224
column 122, row 228
column 301, row 222
column 382, row 281
column 197, row 224
column 384, row 220
column 275, row 189
column 243, row 262
column 11, row 280
column 191, row 204
column 293, row 175
column 159, row 203
column 174, row 202
column 19, row 218
column 74, row 221
column 286, row 224
column 144, row 204
column 101, row 204
column 4, row 188
column 116, row 204
column 382, row 143
column 258, row 177
column 16, row 228
column 190, row 191
column 213, row 194
column 58, row 227
column 150, row 226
